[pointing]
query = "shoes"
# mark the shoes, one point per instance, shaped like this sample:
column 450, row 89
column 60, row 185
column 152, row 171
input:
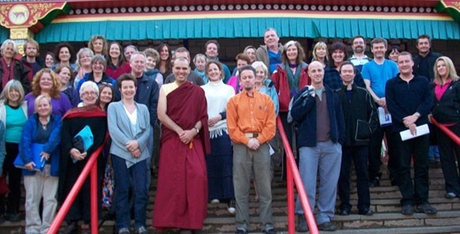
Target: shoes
column 426, row 208
column 231, row 206
column 215, row 201
column 70, row 229
column 407, row 210
column 2, row 218
column 123, row 231
column 241, row 231
column 375, row 182
column 450, row 195
column 14, row 217
column 141, row 230
column 270, row 230
column 327, row 227
column 344, row 212
column 366, row 212
column 301, row 224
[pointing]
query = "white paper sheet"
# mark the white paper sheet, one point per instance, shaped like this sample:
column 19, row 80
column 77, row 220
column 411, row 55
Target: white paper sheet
column 421, row 130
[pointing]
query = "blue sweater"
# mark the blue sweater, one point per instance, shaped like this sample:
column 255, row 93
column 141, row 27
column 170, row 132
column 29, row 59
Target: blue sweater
column 404, row 99
column 51, row 147
column 304, row 112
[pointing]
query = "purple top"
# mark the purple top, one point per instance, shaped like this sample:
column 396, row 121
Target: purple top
column 59, row 105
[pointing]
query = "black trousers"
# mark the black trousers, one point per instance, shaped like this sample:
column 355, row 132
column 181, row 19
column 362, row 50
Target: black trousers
column 450, row 156
column 14, row 181
column 415, row 192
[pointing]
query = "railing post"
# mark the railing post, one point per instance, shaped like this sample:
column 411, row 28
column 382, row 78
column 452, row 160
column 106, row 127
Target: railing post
column 94, row 204
column 290, row 200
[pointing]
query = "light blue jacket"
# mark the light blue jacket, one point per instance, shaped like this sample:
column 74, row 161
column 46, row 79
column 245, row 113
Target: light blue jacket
column 121, row 131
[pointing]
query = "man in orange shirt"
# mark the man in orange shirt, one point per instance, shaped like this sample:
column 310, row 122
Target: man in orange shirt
column 251, row 125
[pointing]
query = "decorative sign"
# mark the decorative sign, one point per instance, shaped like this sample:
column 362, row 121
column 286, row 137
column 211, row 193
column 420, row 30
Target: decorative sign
column 27, row 14
column 451, row 7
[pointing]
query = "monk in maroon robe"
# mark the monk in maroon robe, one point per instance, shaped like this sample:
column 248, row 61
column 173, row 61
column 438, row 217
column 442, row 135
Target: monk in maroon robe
column 182, row 190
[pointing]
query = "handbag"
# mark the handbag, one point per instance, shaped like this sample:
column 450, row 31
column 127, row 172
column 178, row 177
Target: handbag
column 3, row 186
column 108, row 185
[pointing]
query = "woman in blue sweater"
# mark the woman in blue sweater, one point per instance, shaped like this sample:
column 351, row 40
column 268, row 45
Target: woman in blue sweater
column 42, row 130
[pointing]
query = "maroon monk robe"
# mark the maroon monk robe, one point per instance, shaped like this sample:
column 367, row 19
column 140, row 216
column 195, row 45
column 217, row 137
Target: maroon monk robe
column 182, row 192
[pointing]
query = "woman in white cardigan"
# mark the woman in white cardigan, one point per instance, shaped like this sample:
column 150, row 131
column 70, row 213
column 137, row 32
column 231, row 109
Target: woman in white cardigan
column 129, row 129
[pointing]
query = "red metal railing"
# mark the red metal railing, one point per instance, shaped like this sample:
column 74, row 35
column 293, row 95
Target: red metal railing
column 446, row 131
column 293, row 177
column 91, row 166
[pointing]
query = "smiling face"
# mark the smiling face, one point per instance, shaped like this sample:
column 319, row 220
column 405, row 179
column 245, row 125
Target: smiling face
column 43, row 107
column 211, row 50
column 64, row 54
column 88, row 96
column 251, row 53
column 85, row 59
column 64, row 76
column 321, row 53
column 405, row 64
column 128, row 89
column 441, row 69
column 46, row 82
column 291, row 53
column 98, row 67
column 379, row 50
column 347, row 72
column 213, row 72
column 316, row 73
column 151, row 62
column 358, row 45
column 423, row 45
column 338, row 56
column 114, row 51
column 8, row 52
column 260, row 75
column 49, row 61
column 181, row 70
column 164, row 53
column 137, row 64
column 271, row 38
column 105, row 95
column 13, row 96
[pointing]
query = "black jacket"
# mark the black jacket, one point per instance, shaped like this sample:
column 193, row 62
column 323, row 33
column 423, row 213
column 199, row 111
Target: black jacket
column 424, row 65
column 360, row 115
column 20, row 74
column 447, row 110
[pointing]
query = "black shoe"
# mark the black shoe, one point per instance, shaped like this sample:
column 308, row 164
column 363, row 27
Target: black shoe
column 344, row 212
column 241, row 231
column 375, row 182
column 407, row 210
column 2, row 219
column 367, row 212
column 301, row 224
column 450, row 195
column 327, row 227
column 426, row 208
column 270, row 230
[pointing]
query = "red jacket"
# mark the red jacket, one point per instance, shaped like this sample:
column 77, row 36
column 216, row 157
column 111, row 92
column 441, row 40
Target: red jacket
column 280, row 78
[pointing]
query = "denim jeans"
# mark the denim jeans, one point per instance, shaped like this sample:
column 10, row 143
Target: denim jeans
column 134, row 177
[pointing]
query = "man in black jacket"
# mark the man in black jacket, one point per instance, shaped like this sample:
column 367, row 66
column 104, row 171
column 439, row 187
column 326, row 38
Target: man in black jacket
column 360, row 120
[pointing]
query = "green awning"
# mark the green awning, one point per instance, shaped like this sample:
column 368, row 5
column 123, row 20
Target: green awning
column 4, row 33
column 159, row 29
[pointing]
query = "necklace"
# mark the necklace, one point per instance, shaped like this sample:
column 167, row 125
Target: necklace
column 44, row 125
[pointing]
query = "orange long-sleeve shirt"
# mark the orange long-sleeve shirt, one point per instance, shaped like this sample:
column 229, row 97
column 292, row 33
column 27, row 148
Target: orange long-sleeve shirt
column 246, row 114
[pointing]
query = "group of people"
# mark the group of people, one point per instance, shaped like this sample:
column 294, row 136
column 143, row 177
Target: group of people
column 218, row 128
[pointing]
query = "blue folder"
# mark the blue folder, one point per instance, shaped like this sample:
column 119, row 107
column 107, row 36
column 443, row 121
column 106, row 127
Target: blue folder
column 40, row 162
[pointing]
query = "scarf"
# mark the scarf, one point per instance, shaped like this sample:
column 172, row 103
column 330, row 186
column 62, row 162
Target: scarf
column 8, row 72
column 293, row 79
column 217, row 105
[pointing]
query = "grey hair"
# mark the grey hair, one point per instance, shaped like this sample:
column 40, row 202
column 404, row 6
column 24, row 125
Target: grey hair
column 8, row 42
column 90, row 85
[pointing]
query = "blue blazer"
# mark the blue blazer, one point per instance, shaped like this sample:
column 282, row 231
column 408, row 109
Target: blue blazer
column 29, row 136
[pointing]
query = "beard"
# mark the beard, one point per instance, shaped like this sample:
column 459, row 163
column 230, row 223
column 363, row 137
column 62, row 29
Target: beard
column 359, row 49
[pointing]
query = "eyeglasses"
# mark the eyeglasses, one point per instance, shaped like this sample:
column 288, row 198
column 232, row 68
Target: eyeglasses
column 106, row 84
column 89, row 93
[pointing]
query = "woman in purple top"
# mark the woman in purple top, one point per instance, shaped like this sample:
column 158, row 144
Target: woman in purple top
column 46, row 83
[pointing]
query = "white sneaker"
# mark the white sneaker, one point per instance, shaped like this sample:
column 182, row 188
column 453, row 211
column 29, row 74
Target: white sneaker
column 232, row 210
column 214, row 201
